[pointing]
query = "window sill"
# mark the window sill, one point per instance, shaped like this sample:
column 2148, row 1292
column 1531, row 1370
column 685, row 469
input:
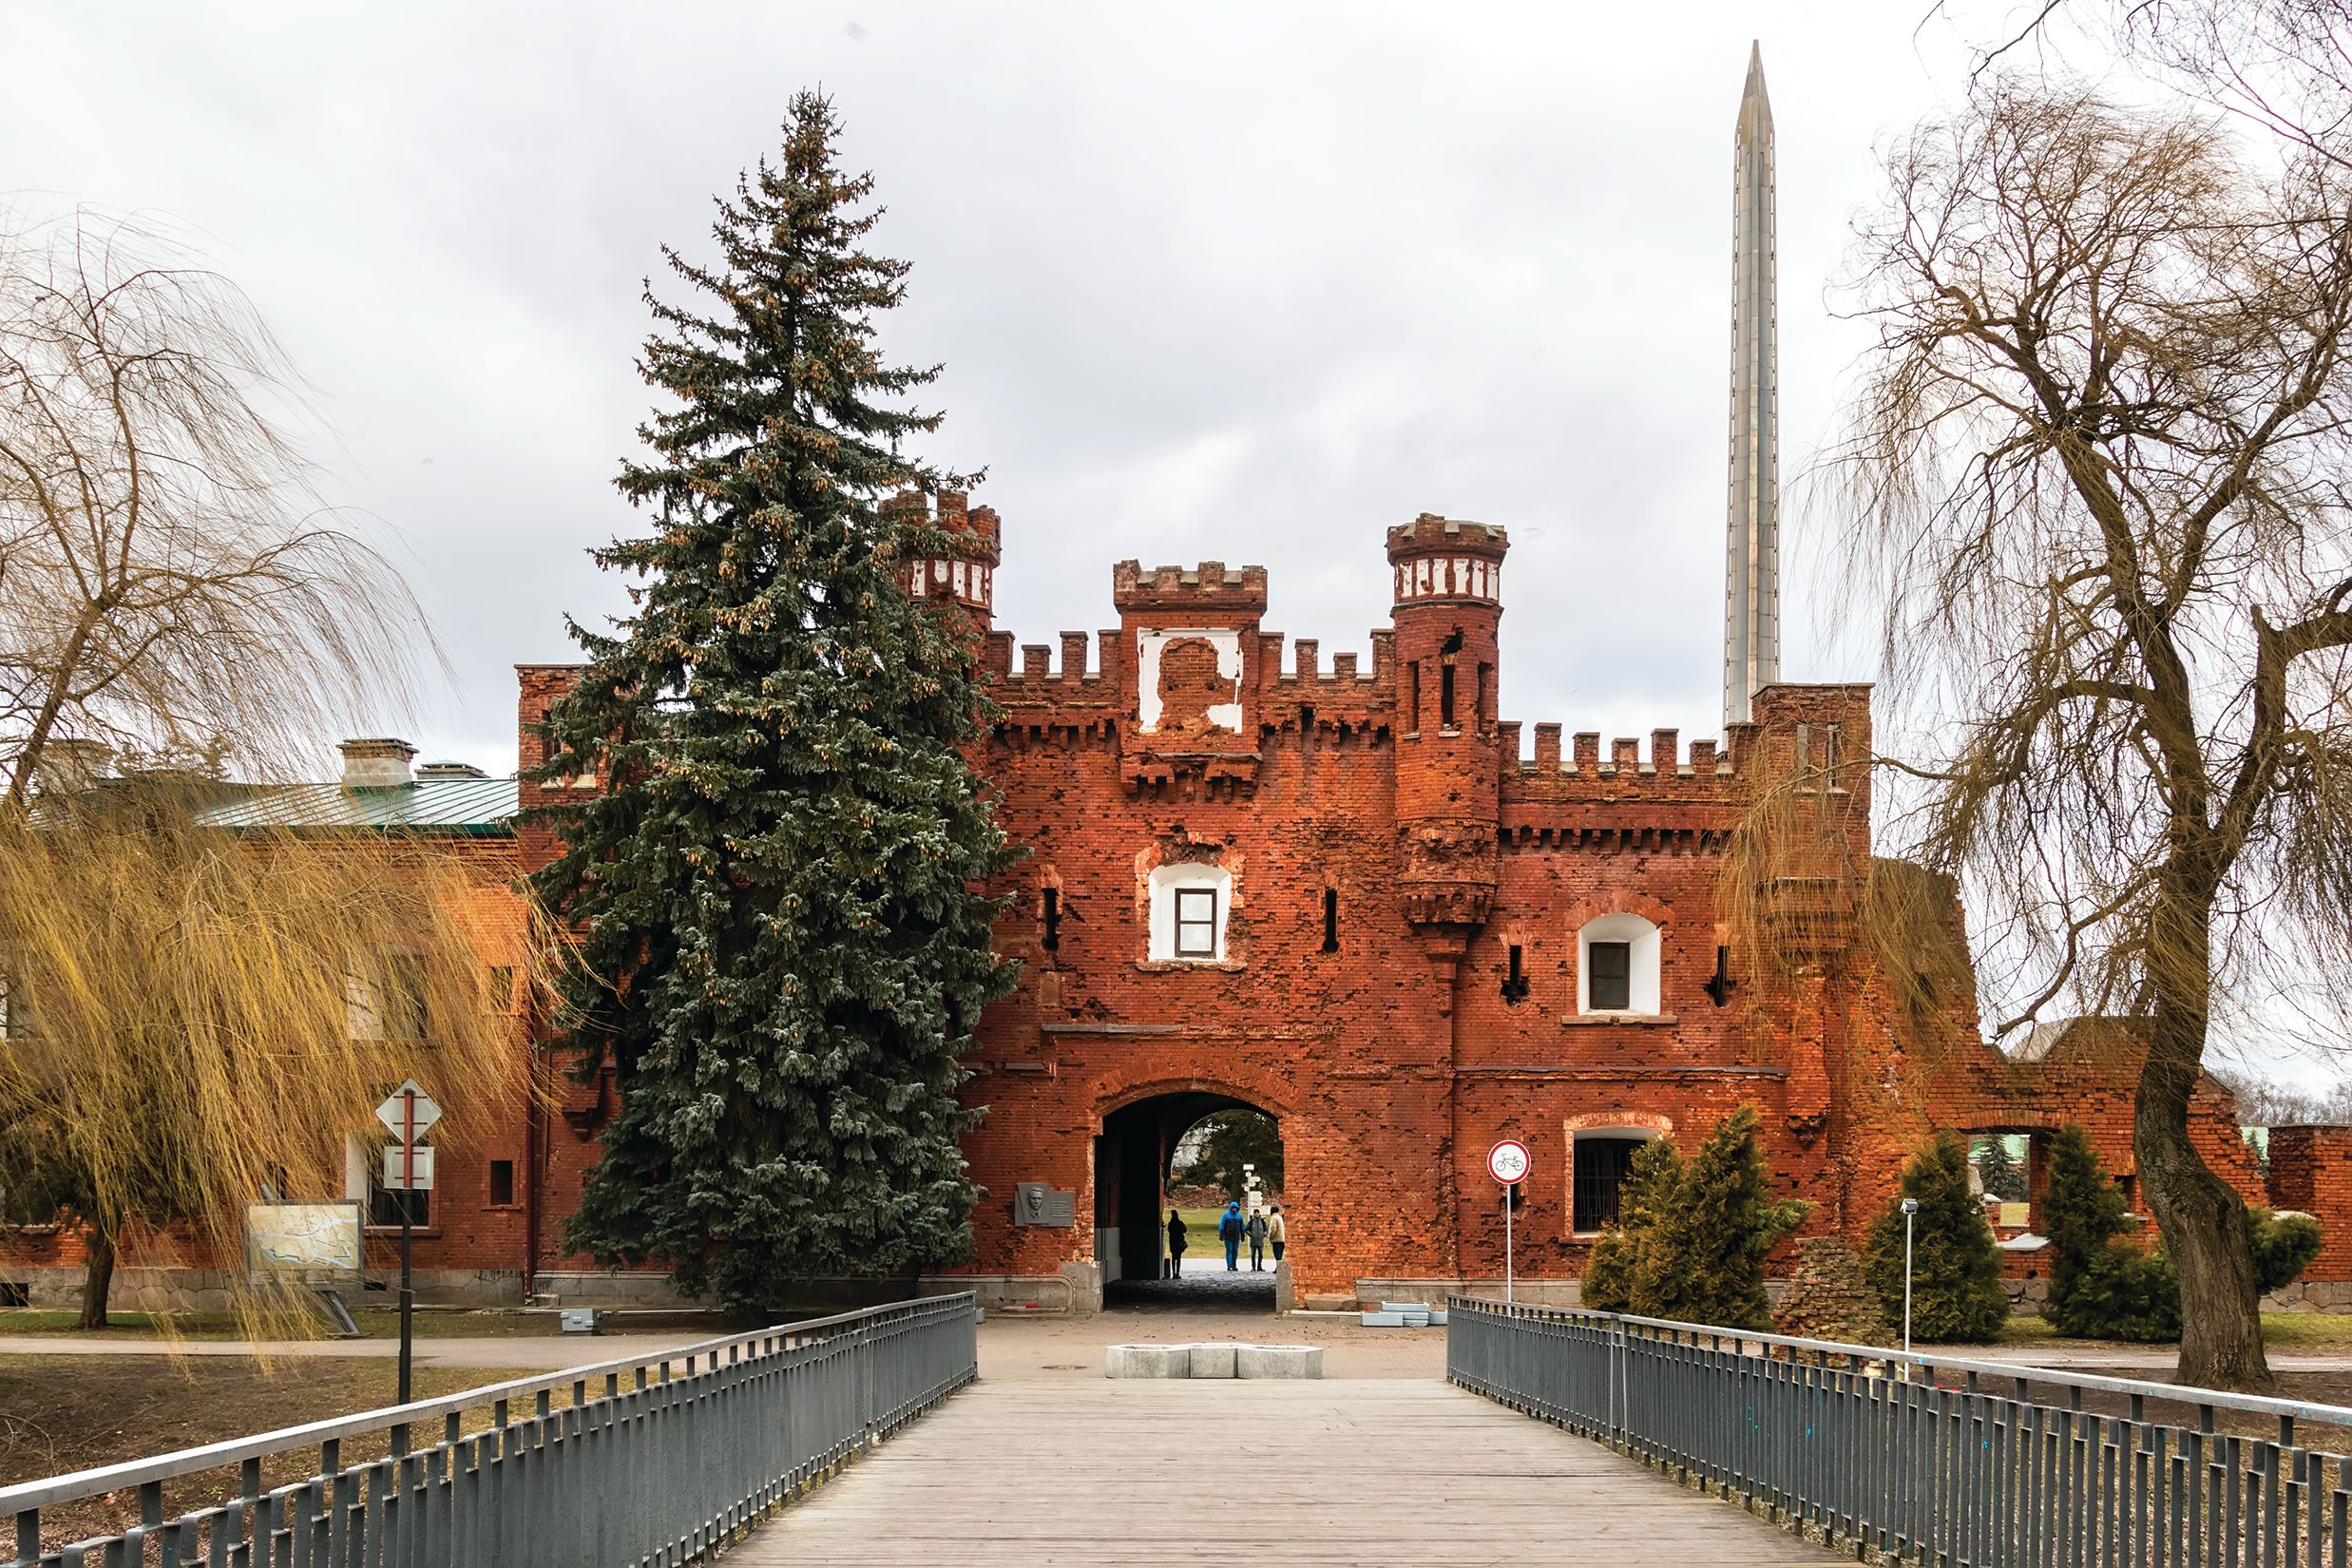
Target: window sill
column 1167, row 966
column 1574, row 1021
column 421, row 1232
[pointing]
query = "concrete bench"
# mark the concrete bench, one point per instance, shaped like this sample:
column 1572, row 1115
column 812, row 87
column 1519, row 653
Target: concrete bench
column 1218, row 1358
column 1155, row 1361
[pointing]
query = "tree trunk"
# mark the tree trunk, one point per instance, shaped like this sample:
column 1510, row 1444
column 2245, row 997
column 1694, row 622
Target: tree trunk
column 97, row 1280
column 2201, row 1216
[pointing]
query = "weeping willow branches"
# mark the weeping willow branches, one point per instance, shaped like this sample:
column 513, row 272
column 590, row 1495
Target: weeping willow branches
column 182, row 1030
column 165, row 583
column 196, row 1016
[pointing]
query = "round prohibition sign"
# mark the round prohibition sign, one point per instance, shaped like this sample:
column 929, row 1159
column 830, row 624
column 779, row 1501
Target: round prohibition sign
column 1507, row 1162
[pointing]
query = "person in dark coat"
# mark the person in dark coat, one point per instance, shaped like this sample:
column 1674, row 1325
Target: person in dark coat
column 1176, row 1245
column 1257, row 1229
column 1229, row 1229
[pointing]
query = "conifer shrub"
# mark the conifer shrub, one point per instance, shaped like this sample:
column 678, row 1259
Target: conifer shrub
column 1692, row 1237
column 2124, row 1293
column 2082, row 1211
column 1619, row 1274
column 2102, row 1288
column 1957, row 1297
column 2285, row 1244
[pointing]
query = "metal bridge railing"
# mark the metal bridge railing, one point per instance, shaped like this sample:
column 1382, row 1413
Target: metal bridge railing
column 632, row 1464
column 1928, row 1458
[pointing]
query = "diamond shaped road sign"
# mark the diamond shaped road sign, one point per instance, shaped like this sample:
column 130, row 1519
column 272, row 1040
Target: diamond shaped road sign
column 409, row 1111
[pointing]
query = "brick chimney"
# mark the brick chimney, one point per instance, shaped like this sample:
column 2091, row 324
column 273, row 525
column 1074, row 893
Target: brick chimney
column 376, row 764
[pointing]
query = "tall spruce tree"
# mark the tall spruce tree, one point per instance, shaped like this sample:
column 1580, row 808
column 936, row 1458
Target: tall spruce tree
column 782, row 951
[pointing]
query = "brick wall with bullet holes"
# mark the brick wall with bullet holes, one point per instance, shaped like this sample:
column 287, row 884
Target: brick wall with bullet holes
column 1394, row 969
column 1344, row 891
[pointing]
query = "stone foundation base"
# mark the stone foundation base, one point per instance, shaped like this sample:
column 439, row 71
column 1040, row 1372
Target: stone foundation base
column 1075, row 1290
column 1371, row 1292
column 135, row 1289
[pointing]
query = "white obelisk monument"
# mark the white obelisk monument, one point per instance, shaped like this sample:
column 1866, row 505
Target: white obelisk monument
column 1752, row 560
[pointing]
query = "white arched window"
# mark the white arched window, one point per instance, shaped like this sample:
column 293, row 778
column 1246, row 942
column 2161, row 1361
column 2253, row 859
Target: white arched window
column 1617, row 966
column 1191, row 904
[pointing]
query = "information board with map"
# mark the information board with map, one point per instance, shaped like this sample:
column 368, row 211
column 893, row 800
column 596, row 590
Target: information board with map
column 320, row 1242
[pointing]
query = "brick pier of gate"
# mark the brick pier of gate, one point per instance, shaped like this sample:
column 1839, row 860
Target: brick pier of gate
column 1378, row 1472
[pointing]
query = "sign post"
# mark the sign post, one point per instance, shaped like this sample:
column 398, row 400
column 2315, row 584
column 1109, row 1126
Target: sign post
column 1508, row 1163
column 409, row 1112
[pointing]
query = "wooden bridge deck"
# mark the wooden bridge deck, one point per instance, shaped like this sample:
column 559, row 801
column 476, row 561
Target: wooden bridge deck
column 1306, row 1475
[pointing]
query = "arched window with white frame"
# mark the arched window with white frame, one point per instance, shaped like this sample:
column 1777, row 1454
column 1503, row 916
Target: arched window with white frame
column 1617, row 959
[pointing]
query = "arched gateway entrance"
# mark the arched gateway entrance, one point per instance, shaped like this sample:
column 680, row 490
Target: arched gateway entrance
column 1133, row 1157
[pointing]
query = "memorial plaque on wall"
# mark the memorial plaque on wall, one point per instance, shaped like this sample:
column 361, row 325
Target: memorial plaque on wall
column 1037, row 1203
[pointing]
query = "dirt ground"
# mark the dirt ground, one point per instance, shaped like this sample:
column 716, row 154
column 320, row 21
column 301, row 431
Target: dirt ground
column 64, row 1413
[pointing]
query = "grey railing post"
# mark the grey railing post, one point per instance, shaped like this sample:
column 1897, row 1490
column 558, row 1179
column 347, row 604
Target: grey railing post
column 654, row 1469
column 1866, row 1446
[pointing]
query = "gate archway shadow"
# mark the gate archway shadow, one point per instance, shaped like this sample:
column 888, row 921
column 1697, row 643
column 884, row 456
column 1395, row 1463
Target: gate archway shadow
column 1132, row 1166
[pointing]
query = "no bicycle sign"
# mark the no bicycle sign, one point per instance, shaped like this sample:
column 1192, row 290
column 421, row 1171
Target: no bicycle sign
column 1507, row 1162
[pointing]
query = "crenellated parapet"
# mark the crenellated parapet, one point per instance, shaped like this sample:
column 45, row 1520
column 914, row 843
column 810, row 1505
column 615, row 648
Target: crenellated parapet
column 1435, row 559
column 1208, row 589
column 964, row 575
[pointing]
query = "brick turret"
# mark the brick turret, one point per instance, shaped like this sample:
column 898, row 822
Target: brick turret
column 1448, row 610
column 966, row 577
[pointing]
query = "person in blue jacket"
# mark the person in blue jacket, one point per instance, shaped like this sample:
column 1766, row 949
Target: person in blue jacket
column 1230, row 1226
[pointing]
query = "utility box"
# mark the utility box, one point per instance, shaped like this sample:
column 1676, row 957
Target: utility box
column 584, row 1320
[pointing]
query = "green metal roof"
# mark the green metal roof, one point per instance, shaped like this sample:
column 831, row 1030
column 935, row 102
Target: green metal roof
column 474, row 806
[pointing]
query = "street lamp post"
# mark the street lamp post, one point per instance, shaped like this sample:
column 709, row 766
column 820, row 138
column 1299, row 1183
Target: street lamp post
column 1910, row 1209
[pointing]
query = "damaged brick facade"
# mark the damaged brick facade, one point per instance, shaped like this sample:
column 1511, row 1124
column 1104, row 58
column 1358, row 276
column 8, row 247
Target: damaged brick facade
column 1392, row 898
column 1397, row 971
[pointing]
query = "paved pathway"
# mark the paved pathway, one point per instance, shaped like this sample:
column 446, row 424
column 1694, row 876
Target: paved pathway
column 1306, row 1475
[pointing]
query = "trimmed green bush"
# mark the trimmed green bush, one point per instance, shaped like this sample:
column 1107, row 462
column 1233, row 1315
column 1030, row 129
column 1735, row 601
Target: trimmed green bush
column 2125, row 1293
column 1957, row 1297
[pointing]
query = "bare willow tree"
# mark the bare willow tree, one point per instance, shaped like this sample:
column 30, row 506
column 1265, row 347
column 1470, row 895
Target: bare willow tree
column 2097, row 465
column 178, row 1032
column 196, row 1015
column 165, row 582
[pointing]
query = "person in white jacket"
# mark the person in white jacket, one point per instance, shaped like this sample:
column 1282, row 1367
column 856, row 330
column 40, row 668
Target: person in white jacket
column 1276, row 1231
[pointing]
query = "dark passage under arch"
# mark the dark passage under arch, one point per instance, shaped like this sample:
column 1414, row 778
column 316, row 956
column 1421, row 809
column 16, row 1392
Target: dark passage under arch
column 1131, row 1160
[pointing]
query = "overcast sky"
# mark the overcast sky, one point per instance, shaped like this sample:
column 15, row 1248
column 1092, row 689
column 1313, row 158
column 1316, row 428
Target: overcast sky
column 1216, row 283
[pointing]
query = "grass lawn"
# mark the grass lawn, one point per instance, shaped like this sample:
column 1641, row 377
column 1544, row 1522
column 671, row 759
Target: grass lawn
column 2314, row 1332
column 1200, row 1235
column 64, row 1413
column 374, row 1322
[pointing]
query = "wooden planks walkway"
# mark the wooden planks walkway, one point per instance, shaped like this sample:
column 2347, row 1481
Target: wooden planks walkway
column 1306, row 1475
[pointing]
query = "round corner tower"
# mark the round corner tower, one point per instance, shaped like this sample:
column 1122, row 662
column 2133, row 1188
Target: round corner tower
column 964, row 573
column 1449, row 613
